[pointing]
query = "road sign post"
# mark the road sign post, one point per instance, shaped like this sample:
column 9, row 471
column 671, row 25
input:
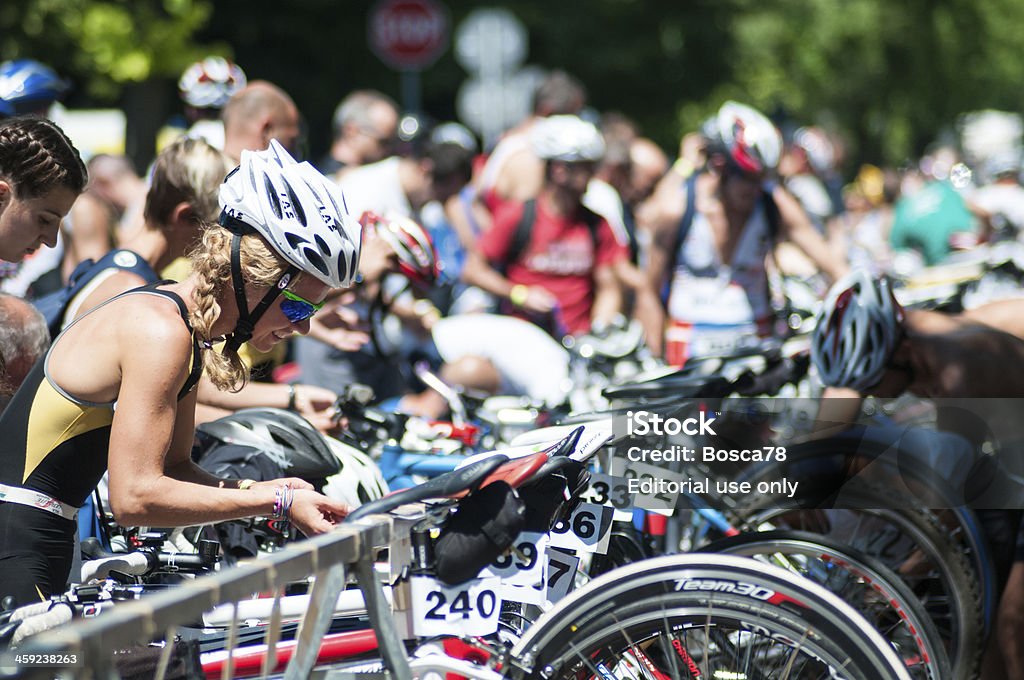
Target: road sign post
column 408, row 36
column 491, row 44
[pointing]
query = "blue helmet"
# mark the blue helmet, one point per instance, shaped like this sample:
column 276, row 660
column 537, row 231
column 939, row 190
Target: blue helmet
column 27, row 86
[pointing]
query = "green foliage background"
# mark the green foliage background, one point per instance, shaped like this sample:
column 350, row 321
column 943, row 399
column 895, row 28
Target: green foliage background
column 889, row 76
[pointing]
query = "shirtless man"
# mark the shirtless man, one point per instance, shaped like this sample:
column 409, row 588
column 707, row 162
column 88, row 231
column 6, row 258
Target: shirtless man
column 865, row 343
column 711, row 256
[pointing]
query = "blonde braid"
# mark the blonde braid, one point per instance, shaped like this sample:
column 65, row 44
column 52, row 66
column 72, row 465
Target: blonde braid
column 211, row 263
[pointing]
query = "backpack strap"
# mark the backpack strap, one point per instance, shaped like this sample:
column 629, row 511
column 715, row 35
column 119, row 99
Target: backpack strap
column 524, row 230
column 771, row 211
column 53, row 306
column 689, row 213
column 593, row 221
column 521, row 236
column 776, row 290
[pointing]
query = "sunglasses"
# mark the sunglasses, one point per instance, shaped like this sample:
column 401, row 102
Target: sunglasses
column 297, row 308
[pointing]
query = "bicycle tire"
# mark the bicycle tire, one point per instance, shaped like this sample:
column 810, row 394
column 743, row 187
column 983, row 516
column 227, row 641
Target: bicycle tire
column 836, row 456
column 625, row 546
column 701, row 597
column 949, row 590
column 866, row 584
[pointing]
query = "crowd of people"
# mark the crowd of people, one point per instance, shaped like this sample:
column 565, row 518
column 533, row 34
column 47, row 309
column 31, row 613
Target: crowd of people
column 174, row 286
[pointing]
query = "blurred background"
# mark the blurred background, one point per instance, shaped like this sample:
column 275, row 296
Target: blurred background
column 888, row 78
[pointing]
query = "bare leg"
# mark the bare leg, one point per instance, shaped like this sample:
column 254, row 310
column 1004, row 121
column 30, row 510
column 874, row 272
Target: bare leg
column 473, row 373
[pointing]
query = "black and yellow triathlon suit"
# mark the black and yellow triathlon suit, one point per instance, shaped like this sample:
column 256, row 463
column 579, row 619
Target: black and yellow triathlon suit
column 53, row 453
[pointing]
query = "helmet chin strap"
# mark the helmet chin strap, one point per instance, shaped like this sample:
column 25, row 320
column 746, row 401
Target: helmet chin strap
column 247, row 319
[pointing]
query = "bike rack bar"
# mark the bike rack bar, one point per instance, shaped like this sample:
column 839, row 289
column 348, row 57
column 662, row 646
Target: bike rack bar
column 388, row 641
column 328, row 586
column 349, row 545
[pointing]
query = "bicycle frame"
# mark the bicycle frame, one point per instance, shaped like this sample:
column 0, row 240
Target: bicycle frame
column 398, row 466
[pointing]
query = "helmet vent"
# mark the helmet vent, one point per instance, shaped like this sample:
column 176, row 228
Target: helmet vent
column 321, row 244
column 343, row 267
column 295, row 240
column 314, row 259
column 275, row 204
column 296, row 205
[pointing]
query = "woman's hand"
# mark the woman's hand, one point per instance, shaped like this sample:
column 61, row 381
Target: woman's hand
column 313, row 513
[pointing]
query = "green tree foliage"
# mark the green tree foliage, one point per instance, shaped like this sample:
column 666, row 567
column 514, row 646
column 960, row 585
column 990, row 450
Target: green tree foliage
column 105, row 46
column 889, row 76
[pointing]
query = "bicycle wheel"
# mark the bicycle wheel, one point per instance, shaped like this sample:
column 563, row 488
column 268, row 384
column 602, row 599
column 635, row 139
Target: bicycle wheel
column 832, row 462
column 875, row 591
column 705, row 616
column 910, row 541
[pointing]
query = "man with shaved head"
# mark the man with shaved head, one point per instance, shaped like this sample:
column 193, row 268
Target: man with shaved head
column 256, row 114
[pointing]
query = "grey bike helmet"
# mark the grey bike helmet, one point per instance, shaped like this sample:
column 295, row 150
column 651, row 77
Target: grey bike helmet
column 856, row 332
column 288, row 438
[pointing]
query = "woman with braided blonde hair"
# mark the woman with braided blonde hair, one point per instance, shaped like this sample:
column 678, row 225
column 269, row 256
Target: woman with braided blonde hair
column 41, row 175
column 284, row 241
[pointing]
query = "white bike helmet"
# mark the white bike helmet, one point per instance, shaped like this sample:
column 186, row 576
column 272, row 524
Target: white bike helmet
column 566, row 138
column 210, row 83
column 752, row 141
column 358, row 481
column 817, row 146
column 856, row 332
column 300, row 213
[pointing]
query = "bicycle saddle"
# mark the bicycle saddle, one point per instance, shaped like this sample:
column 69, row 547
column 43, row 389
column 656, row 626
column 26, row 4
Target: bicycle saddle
column 516, row 471
column 448, row 485
column 676, row 386
column 666, row 406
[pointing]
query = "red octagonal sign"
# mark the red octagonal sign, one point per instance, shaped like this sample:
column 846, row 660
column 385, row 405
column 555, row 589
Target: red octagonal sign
column 408, row 34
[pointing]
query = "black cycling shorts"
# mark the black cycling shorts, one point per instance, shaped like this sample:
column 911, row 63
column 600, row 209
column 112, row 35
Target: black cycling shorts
column 36, row 551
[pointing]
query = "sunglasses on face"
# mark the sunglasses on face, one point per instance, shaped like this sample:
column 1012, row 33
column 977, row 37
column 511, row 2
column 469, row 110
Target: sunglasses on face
column 297, row 308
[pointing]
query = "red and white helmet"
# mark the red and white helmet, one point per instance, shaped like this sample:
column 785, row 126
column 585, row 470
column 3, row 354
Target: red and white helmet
column 301, row 213
column 211, row 82
column 856, row 332
column 751, row 140
column 417, row 258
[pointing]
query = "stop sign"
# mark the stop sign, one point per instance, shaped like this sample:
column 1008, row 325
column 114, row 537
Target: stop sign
column 408, row 34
